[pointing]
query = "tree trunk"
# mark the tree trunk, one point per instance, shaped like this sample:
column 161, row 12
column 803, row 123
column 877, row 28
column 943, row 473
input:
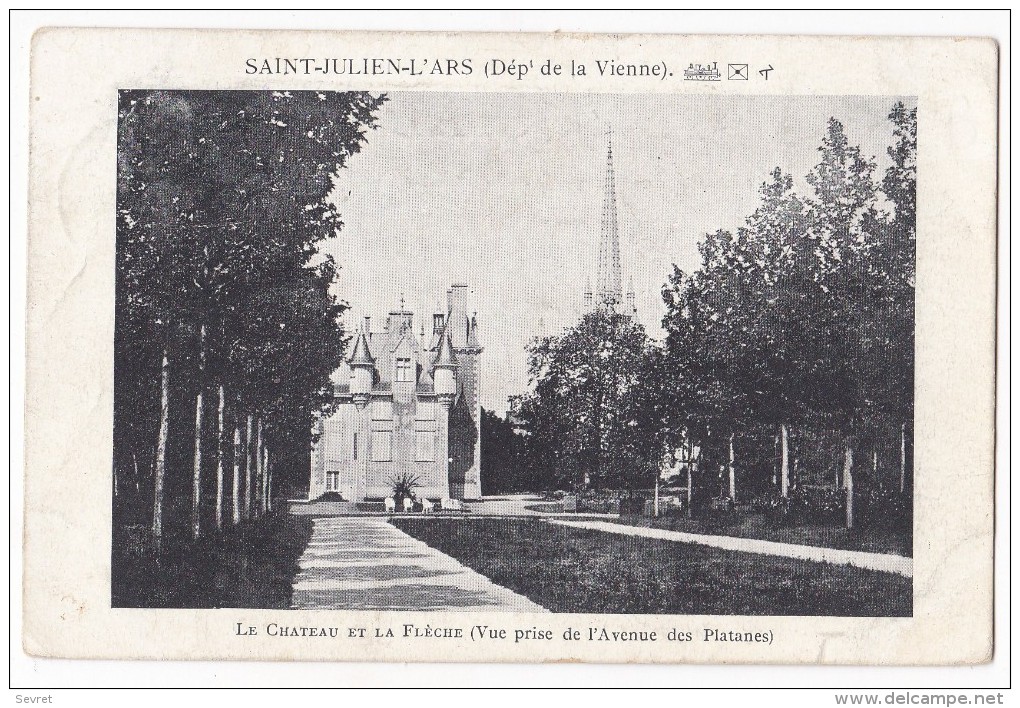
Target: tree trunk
column 655, row 504
column 848, row 484
column 134, row 462
column 784, row 463
column 247, row 466
column 220, row 450
column 690, row 483
column 235, row 487
column 732, row 472
column 196, row 477
column 259, row 471
column 269, row 483
column 690, row 477
column 265, row 478
column 775, row 461
column 903, row 458
column 160, row 471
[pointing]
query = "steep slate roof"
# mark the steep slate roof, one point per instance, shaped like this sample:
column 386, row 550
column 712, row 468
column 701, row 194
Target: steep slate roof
column 445, row 356
column 378, row 350
column 425, row 383
column 361, row 356
column 459, row 332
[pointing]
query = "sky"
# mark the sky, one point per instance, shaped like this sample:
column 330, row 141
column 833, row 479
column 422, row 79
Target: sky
column 503, row 191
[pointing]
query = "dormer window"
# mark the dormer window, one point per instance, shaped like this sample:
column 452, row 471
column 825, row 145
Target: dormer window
column 404, row 370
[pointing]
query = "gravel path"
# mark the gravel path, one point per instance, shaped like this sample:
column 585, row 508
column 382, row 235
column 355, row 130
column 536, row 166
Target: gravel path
column 888, row 563
column 365, row 563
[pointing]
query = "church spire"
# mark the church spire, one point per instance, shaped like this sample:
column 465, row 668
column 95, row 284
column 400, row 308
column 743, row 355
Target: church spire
column 608, row 284
column 631, row 310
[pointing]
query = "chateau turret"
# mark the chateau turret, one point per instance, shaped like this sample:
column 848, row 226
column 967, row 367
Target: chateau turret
column 362, row 366
column 406, row 401
column 445, row 372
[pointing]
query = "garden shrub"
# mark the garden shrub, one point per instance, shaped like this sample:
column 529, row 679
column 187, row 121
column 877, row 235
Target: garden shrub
column 546, row 508
column 884, row 506
column 599, row 505
column 672, row 510
column 819, row 505
column 804, row 506
column 610, row 501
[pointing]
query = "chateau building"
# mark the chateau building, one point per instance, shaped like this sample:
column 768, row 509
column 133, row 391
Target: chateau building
column 608, row 291
column 407, row 404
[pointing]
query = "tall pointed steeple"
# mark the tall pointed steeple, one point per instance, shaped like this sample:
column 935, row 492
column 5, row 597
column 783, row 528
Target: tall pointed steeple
column 631, row 309
column 608, row 283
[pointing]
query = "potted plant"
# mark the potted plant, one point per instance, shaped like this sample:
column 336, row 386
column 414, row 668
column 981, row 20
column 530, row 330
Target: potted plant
column 403, row 486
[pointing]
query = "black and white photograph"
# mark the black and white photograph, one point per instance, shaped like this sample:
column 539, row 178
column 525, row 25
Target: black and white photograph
column 522, row 352
column 564, row 350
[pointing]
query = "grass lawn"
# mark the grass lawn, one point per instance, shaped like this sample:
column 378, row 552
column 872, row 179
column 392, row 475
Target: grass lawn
column 249, row 566
column 752, row 525
column 578, row 570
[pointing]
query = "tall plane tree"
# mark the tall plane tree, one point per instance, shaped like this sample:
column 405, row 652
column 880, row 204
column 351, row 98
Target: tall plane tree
column 804, row 315
column 222, row 200
column 586, row 410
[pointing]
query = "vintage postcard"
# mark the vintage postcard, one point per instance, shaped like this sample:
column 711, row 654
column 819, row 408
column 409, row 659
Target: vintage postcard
column 510, row 348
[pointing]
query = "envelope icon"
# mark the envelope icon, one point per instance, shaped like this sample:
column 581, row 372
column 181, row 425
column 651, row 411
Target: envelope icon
column 737, row 72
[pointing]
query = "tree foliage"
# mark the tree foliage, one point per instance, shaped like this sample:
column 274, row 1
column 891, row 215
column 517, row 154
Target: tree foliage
column 504, row 461
column 804, row 314
column 222, row 200
column 586, row 419
column 796, row 327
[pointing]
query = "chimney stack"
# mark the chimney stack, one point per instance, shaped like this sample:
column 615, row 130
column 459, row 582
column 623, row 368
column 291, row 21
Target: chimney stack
column 458, row 325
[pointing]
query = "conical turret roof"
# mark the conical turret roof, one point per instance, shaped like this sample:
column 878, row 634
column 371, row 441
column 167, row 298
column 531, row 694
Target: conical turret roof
column 445, row 358
column 361, row 356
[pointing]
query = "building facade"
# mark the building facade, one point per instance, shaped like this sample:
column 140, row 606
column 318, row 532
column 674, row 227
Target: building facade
column 407, row 406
